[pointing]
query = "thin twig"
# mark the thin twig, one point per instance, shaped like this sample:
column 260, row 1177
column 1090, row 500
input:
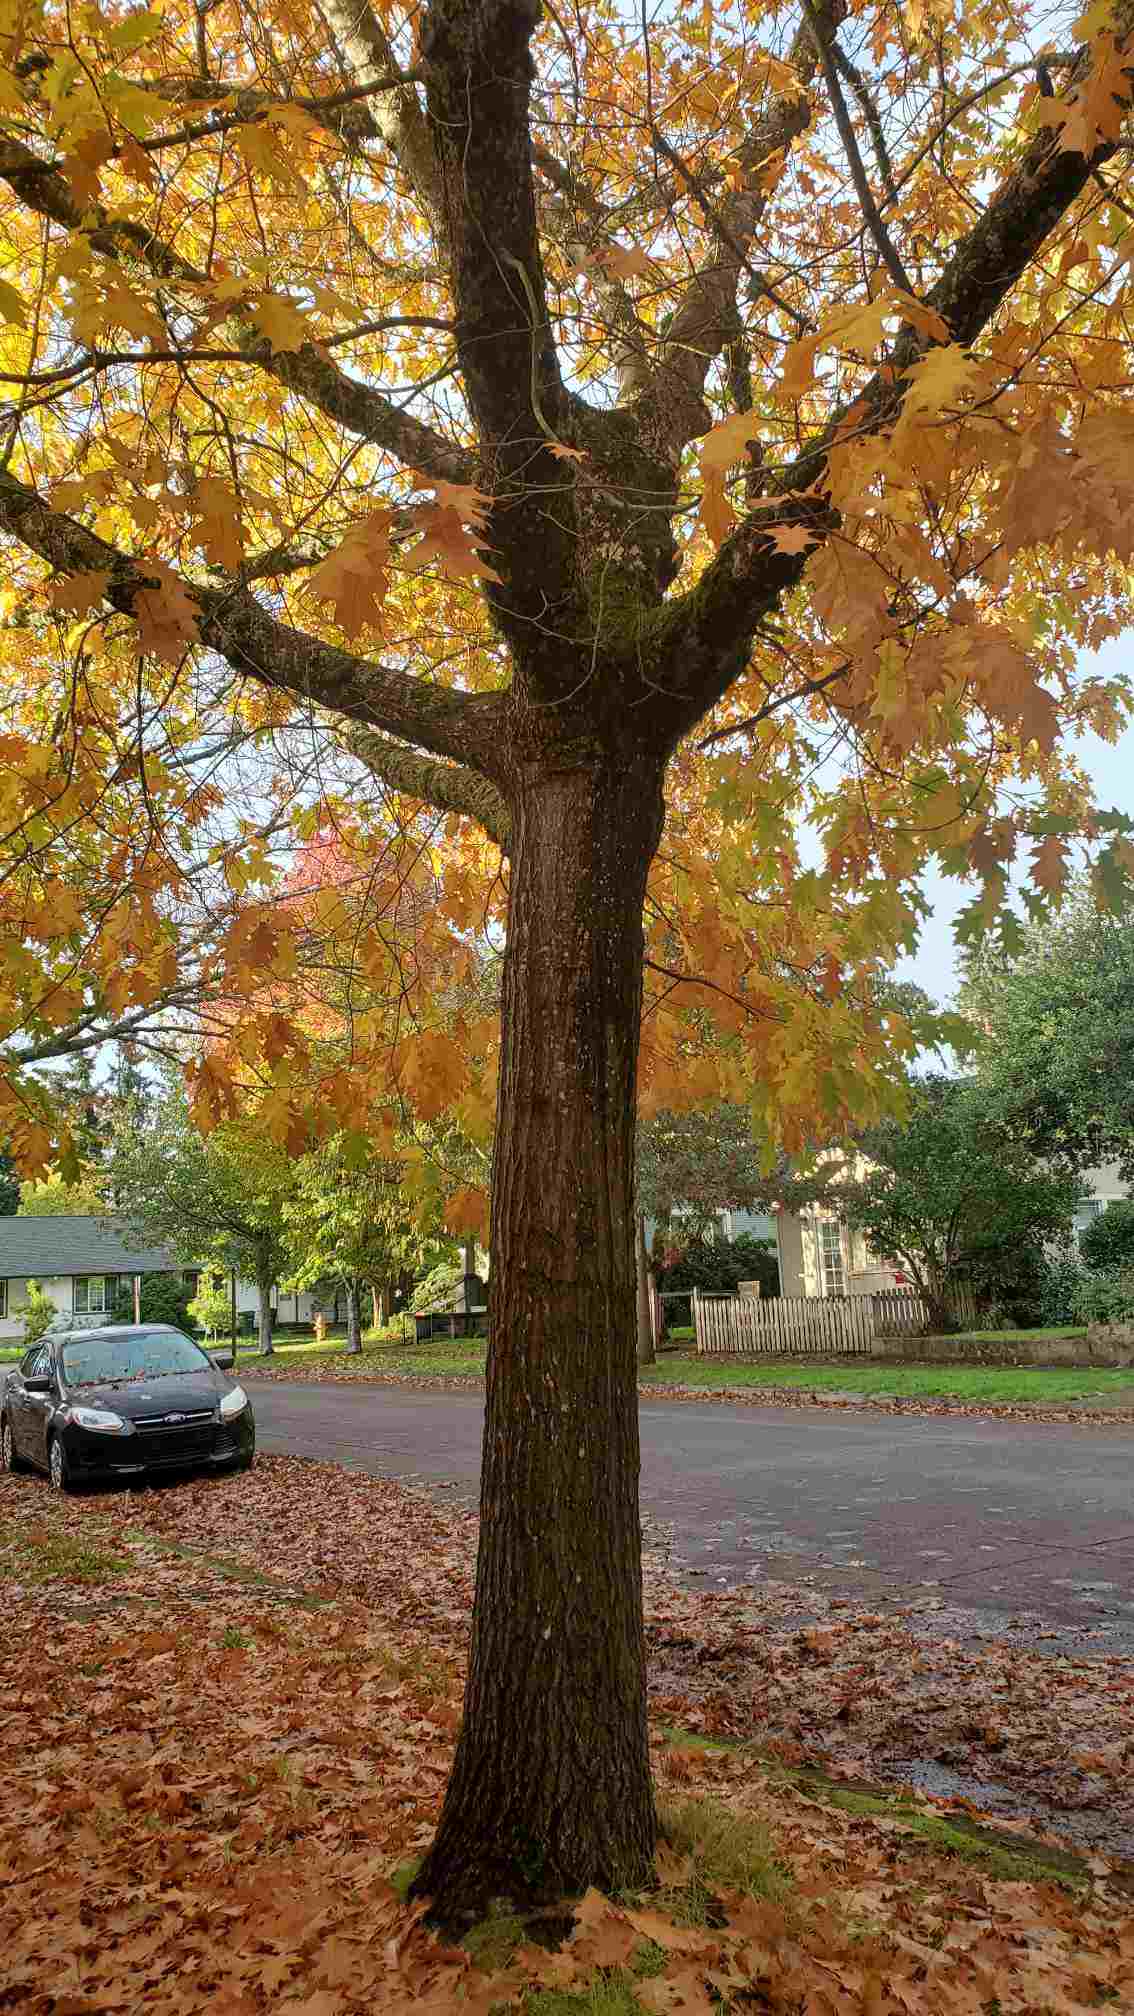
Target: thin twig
column 696, row 186
column 869, row 207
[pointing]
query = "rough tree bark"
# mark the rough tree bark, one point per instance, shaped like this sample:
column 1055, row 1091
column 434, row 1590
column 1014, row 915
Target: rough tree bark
column 264, row 1300
column 551, row 1786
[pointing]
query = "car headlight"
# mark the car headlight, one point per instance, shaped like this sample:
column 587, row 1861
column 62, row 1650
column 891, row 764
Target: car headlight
column 99, row 1418
column 233, row 1403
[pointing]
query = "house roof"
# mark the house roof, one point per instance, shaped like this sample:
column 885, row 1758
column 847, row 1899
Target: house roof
column 77, row 1245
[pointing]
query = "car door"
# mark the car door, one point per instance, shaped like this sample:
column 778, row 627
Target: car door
column 16, row 1400
column 38, row 1407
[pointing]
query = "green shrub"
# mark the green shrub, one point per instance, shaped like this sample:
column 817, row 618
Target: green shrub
column 1106, row 1297
column 1108, row 1242
column 37, row 1313
column 164, row 1298
column 1058, row 1299
column 437, row 1284
column 211, row 1307
column 1008, row 1284
column 718, row 1266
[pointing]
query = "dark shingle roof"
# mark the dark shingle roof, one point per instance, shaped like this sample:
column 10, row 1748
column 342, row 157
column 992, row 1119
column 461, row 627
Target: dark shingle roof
column 73, row 1245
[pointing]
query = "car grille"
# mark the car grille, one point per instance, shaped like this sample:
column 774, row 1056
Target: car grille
column 174, row 1441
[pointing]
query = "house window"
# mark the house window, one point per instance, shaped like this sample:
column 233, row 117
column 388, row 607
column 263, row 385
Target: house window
column 3, row 1300
column 94, row 1294
column 831, row 1257
column 1087, row 1213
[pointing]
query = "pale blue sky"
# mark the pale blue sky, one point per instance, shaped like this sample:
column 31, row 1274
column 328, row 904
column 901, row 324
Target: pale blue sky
column 1111, row 769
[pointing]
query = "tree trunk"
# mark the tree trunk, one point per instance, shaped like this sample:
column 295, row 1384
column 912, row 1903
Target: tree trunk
column 353, row 1320
column 646, row 1353
column 264, row 1300
column 551, row 1789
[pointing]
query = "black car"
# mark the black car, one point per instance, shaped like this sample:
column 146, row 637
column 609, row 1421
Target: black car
column 119, row 1402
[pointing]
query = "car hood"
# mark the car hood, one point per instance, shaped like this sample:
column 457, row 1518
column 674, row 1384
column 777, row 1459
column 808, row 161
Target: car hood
column 173, row 1393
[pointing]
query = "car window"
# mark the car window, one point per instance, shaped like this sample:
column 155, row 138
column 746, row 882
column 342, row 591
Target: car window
column 140, row 1354
column 28, row 1360
column 41, row 1363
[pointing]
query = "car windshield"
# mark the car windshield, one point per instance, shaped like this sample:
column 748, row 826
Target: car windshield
column 145, row 1354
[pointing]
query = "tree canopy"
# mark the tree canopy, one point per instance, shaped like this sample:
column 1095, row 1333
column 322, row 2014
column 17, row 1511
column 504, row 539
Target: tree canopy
column 642, row 484
column 218, row 1197
column 950, row 1195
column 705, row 1161
column 52, row 1198
column 348, row 1219
column 1055, row 1023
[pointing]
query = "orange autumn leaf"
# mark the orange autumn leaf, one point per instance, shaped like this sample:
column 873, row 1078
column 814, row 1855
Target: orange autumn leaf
column 166, row 616
column 354, row 577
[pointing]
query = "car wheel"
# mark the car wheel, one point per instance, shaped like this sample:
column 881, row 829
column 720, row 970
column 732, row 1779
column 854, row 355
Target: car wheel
column 10, row 1459
column 57, row 1466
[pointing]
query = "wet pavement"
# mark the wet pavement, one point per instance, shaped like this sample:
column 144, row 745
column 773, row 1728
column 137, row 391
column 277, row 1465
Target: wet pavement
column 974, row 1528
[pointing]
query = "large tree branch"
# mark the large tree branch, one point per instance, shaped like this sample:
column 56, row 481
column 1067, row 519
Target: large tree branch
column 462, row 726
column 251, row 107
column 396, row 119
column 451, row 787
column 573, row 218
column 358, row 407
column 478, row 71
column 706, row 636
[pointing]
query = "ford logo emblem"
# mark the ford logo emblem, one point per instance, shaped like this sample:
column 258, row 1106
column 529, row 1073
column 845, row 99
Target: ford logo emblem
column 171, row 1418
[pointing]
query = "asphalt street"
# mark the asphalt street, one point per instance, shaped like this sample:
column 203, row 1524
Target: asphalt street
column 1011, row 1528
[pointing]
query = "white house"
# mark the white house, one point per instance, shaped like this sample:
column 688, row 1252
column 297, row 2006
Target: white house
column 820, row 1255
column 79, row 1262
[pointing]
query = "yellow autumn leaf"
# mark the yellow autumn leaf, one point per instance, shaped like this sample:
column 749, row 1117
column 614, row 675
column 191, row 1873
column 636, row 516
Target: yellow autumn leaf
column 281, row 322
column 721, row 448
column 940, row 378
column 264, row 156
column 220, row 532
column 166, row 617
column 13, row 307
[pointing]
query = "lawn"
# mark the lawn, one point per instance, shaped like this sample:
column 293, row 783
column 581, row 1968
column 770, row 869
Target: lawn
column 464, row 1356
column 963, row 1382
column 456, row 1357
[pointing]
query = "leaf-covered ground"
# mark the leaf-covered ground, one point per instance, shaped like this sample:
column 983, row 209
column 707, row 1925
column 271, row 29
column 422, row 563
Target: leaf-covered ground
column 228, row 1713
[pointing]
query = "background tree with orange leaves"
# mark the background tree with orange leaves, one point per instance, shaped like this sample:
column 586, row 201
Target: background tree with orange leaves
column 686, row 450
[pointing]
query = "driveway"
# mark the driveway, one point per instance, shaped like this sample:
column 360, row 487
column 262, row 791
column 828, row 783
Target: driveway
column 1011, row 1530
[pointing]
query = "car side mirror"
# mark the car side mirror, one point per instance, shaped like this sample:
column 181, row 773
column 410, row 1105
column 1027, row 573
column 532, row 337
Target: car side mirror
column 42, row 1383
column 223, row 1360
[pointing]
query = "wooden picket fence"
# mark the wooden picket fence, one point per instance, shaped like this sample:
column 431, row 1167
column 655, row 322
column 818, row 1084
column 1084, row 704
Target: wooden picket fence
column 748, row 1326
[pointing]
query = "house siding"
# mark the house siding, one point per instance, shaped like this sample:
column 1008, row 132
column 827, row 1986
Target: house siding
column 57, row 1286
column 61, row 1289
column 799, row 1269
